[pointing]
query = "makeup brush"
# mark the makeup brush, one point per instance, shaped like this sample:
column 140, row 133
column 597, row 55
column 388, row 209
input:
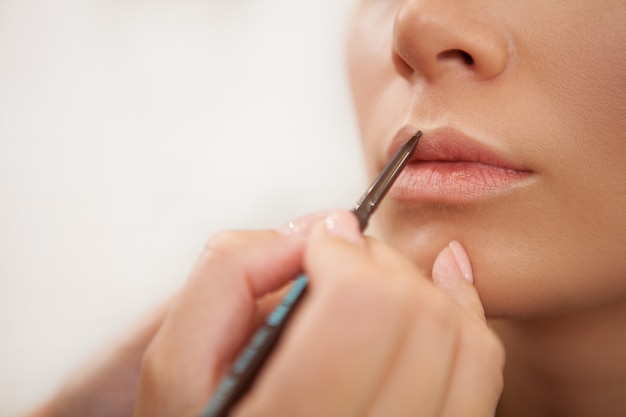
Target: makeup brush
column 251, row 359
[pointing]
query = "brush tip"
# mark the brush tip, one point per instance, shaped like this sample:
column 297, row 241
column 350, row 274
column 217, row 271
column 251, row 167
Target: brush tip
column 414, row 140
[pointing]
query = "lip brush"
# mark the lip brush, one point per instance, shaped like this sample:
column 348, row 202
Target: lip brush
column 251, row 359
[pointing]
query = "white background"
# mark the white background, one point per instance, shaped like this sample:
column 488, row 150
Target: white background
column 130, row 131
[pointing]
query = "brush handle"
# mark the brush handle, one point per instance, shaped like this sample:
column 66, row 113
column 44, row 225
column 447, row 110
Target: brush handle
column 251, row 359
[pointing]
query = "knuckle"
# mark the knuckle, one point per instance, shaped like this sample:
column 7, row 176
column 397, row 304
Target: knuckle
column 494, row 353
column 154, row 372
column 159, row 378
column 494, row 348
column 485, row 347
column 223, row 242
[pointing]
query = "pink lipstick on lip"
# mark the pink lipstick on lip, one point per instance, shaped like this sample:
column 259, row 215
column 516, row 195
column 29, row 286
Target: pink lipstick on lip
column 451, row 167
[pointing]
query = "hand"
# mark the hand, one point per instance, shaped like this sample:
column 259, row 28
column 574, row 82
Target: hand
column 107, row 384
column 373, row 337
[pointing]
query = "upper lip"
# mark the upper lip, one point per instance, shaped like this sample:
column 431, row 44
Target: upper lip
column 451, row 145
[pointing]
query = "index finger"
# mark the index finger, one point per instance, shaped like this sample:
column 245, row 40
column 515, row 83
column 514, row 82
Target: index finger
column 212, row 317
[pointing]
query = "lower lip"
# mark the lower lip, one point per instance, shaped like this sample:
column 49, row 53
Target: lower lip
column 454, row 182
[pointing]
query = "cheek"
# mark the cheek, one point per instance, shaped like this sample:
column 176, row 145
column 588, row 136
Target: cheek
column 562, row 245
column 572, row 57
column 584, row 91
column 372, row 75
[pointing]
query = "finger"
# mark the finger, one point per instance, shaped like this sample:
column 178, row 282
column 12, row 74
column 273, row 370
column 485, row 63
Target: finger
column 107, row 382
column 452, row 272
column 302, row 226
column 418, row 378
column 212, row 317
column 327, row 352
column 267, row 304
column 138, row 337
column 477, row 380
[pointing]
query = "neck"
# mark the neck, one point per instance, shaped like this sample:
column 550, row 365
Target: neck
column 571, row 365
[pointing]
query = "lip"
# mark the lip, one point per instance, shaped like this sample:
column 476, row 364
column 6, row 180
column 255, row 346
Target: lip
column 452, row 167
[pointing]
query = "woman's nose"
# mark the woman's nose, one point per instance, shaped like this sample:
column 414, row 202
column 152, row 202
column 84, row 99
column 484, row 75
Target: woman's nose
column 437, row 38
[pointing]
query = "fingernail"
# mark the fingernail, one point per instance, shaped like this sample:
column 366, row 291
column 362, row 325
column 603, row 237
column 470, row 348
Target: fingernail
column 302, row 226
column 452, row 262
column 345, row 225
column 445, row 268
column 342, row 224
column 462, row 261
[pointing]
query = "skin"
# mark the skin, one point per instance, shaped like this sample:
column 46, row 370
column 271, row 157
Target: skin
column 106, row 385
column 240, row 275
column 556, row 243
column 378, row 379
column 544, row 87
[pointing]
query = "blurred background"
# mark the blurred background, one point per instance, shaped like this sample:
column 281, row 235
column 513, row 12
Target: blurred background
column 130, row 132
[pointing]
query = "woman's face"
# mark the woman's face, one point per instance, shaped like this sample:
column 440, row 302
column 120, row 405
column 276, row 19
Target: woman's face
column 523, row 109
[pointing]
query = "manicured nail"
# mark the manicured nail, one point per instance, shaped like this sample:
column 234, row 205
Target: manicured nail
column 302, row 226
column 462, row 261
column 340, row 223
column 452, row 272
column 345, row 225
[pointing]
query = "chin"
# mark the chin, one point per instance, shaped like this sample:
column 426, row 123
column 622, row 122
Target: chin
column 517, row 273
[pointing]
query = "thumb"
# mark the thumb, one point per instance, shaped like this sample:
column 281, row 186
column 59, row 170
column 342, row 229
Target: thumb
column 452, row 272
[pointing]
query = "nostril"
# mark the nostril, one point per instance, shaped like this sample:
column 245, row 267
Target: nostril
column 467, row 58
column 456, row 54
